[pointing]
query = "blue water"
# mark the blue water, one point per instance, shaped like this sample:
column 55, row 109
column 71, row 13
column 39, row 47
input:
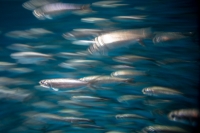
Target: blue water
column 17, row 116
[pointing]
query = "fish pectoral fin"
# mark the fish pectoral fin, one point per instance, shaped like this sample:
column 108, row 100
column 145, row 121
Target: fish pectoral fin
column 55, row 89
column 141, row 42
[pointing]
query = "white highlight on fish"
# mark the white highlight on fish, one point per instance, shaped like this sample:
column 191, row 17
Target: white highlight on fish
column 65, row 83
column 117, row 39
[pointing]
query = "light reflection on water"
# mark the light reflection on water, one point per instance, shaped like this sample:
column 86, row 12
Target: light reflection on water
column 99, row 66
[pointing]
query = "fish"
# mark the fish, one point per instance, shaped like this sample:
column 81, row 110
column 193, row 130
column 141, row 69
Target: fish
column 63, row 84
column 30, row 57
column 126, row 98
column 163, row 129
column 129, row 116
column 98, row 81
column 131, row 59
column 187, row 116
column 54, row 10
column 55, row 119
column 14, row 94
column 127, row 73
column 88, row 98
column 169, row 36
column 118, row 39
column 161, row 91
column 33, row 4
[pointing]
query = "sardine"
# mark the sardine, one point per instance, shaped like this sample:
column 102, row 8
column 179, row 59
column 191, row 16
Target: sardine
column 163, row 129
column 117, row 39
column 170, row 36
column 60, row 84
column 50, row 118
column 88, row 98
column 158, row 90
column 53, row 10
column 127, row 74
column 129, row 116
column 187, row 116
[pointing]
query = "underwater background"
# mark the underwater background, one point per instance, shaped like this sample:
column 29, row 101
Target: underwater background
column 113, row 66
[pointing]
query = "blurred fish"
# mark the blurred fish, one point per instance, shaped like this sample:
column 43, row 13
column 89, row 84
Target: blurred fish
column 88, row 98
column 20, row 47
column 32, row 33
column 126, row 98
column 187, row 116
column 63, row 84
column 127, row 73
column 70, row 55
column 59, row 9
column 77, row 64
column 33, row 4
column 131, row 59
column 170, row 36
column 129, row 116
column 118, row 39
column 108, row 4
column 14, row 94
column 55, row 119
column 78, row 34
column 163, row 129
column 6, row 65
column 20, row 70
column 98, row 81
column 161, row 91
column 30, row 57
column 88, row 126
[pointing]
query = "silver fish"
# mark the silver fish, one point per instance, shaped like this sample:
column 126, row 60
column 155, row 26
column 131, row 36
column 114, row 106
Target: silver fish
column 163, row 129
column 117, row 39
column 57, row 84
column 14, row 95
column 129, row 116
column 88, row 98
column 50, row 118
column 187, row 116
column 169, row 36
column 158, row 90
column 127, row 73
column 53, row 10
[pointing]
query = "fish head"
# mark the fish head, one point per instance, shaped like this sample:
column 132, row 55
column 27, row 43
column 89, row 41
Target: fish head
column 148, row 91
column 45, row 83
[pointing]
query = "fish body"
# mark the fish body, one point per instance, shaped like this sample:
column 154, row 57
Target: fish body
column 160, row 91
column 87, row 98
column 169, row 36
column 67, row 83
column 127, row 74
column 50, row 118
column 117, row 39
column 187, row 116
column 53, row 10
column 163, row 129
column 129, row 116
